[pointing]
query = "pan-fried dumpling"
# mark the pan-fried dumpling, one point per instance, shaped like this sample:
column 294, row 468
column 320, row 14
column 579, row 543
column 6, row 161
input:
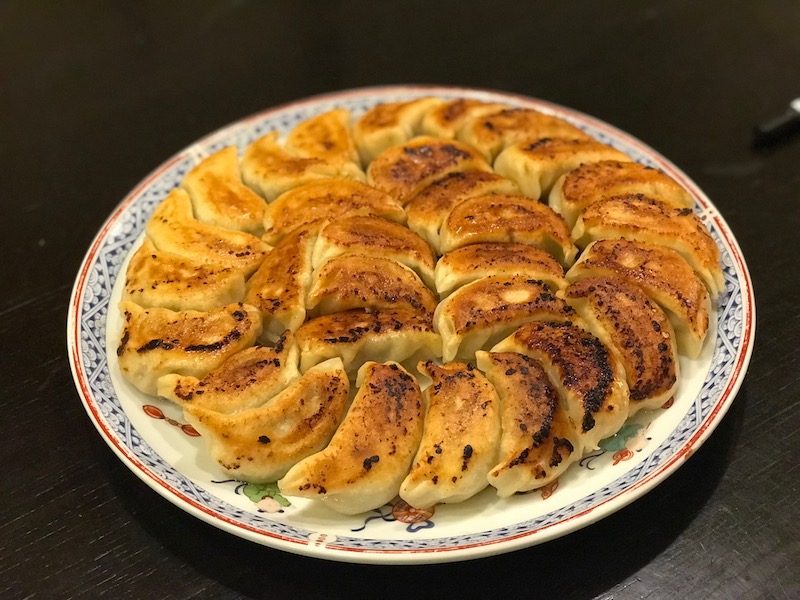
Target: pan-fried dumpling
column 663, row 274
column 588, row 378
column 485, row 311
column 580, row 187
column 638, row 333
column 447, row 119
column 220, row 198
column 492, row 133
column 538, row 441
column 158, row 341
column 173, row 228
column 402, row 171
column 162, row 279
column 245, row 380
column 428, row 209
column 278, row 288
column 637, row 217
column 460, row 440
column 535, row 166
column 327, row 199
column 375, row 236
column 503, row 218
column 389, row 124
column 326, row 136
column 269, row 168
column 371, row 452
column 359, row 335
column 261, row 444
column 469, row 263
column 359, row 281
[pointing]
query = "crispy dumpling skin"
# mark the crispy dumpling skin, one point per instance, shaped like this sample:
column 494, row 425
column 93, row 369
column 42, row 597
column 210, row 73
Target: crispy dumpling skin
column 173, row 228
column 538, row 442
column 158, row 341
column 622, row 316
column 429, row 208
column 327, row 199
column 359, row 335
column 375, row 236
column 261, row 444
column 505, row 218
column 403, row 171
column 359, row 281
column 220, row 198
column 166, row 280
column 591, row 182
column 589, row 380
column 663, row 274
column 535, row 166
column 245, row 380
column 270, row 169
column 326, row 136
column 494, row 132
column 370, row 454
column 485, row 311
column 278, row 288
column 638, row 217
column 475, row 261
column 389, row 124
column 447, row 119
column 460, row 440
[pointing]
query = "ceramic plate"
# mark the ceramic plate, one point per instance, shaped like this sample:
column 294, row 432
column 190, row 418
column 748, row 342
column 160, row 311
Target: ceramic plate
column 151, row 438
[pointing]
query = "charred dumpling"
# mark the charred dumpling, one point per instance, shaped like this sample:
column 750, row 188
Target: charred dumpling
column 371, row 452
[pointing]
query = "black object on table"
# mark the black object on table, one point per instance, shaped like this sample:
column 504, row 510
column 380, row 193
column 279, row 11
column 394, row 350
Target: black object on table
column 93, row 97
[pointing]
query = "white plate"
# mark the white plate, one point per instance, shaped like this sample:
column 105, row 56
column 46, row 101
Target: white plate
column 174, row 464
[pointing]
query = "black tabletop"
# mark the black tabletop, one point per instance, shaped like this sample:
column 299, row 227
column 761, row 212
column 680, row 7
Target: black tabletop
column 93, row 96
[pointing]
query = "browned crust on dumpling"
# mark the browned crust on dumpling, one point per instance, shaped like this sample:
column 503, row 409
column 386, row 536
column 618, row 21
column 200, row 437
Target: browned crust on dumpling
column 328, row 199
column 326, row 136
column 637, row 329
column 402, row 171
column 507, row 218
column 359, row 281
column 447, row 119
column 639, row 217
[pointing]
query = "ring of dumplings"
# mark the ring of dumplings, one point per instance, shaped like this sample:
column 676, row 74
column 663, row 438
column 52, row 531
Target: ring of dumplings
column 434, row 297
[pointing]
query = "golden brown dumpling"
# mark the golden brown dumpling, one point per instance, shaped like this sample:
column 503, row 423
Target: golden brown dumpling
column 535, row 166
column 245, row 380
column 166, row 280
column 173, row 228
column 359, row 281
column 220, row 198
column 360, row 335
column 158, row 341
column 538, row 442
column 270, row 169
column 589, row 380
column 261, row 444
column 503, row 218
column 371, row 452
column 622, row 316
column 663, row 274
column 447, row 119
column 460, row 440
column 580, row 187
column 475, row 261
column 485, row 311
column 329, row 199
column 389, row 124
column 379, row 237
column 492, row 133
column 638, row 217
column 326, row 136
column 430, row 207
column 402, row 171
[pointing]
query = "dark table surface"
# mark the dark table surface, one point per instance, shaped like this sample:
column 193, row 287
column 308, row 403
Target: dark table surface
column 93, row 96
